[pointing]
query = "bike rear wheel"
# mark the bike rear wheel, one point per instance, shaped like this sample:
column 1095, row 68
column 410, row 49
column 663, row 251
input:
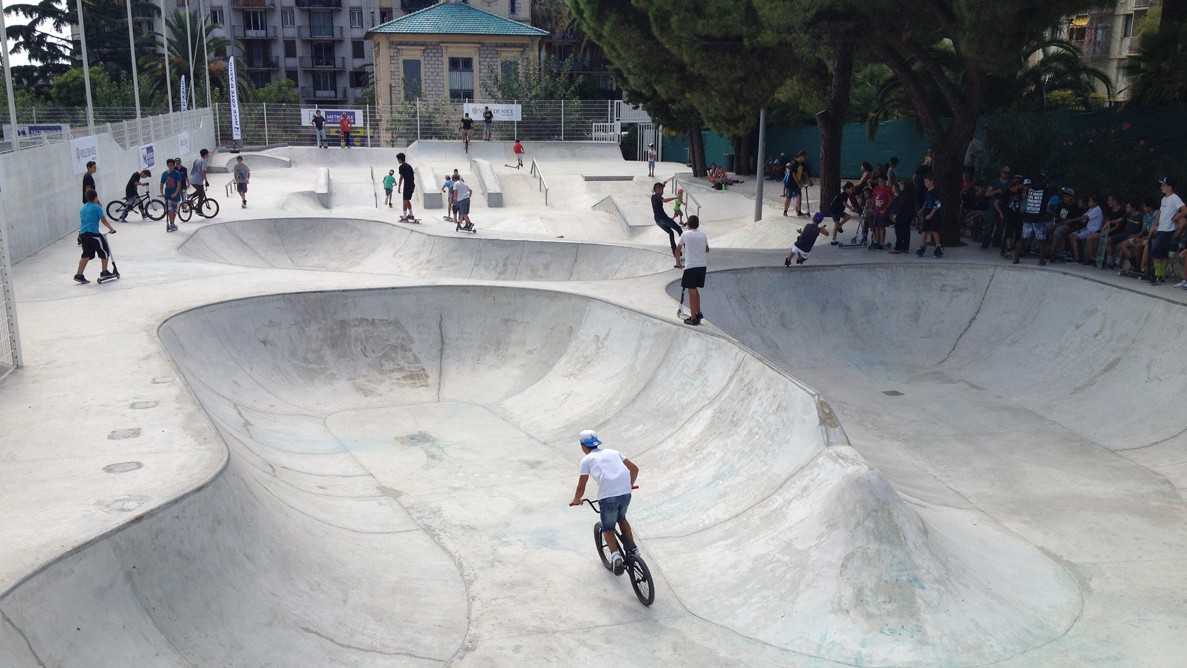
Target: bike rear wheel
column 185, row 211
column 154, row 209
column 600, row 545
column 209, row 208
column 116, row 209
column 641, row 580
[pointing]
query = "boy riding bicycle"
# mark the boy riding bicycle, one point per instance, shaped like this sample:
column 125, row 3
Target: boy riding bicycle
column 616, row 477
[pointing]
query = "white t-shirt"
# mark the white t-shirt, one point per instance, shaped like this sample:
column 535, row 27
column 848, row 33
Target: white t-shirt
column 1166, row 215
column 1096, row 219
column 461, row 191
column 605, row 466
column 696, row 249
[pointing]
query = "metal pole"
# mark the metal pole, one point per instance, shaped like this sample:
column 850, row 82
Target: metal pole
column 217, row 136
column 562, row 120
column 86, row 68
column 165, row 35
column 418, row 119
column 265, row 111
column 8, row 85
column 762, row 158
column 132, row 54
column 515, row 129
column 205, row 53
column 367, row 122
column 7, row 295
column 189, row 49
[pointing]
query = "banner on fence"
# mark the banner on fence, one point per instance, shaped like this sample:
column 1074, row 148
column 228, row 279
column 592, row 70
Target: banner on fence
column 332, row 116
column 236, row 130
column 35, row 129
column 502, row 112
column 183, row 143
column 82, row 151
column 148, row 156
column 184, row 97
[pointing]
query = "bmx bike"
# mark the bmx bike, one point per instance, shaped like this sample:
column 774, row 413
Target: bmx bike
column 206, row 207
column 635, row 568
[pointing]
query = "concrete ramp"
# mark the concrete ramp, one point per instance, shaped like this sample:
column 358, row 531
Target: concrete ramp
column 374, row 247
column 362, row 518
column 500, row 153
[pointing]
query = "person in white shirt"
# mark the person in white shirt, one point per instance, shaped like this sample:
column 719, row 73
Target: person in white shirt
column 1083, row 244
column 461, row 203
column 694, row 249
column 1171, row 215
column 616, row 477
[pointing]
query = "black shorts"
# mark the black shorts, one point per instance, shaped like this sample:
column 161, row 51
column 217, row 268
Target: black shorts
column 409, row 188
column 931, row 224
column 693, row 278
column 837, row 214
column 1161, row 246
column 92, row 245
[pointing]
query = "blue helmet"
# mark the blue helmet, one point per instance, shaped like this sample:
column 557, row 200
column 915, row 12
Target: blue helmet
column 589, row 439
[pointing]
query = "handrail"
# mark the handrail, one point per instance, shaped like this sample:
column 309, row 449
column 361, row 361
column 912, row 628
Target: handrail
column 374, row 189
column 541, row 184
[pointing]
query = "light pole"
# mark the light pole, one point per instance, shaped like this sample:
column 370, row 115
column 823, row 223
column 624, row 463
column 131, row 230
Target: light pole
column 132, row 53
column 8, row 82
column 168, row 79
column 205, row 53
column 86, row 68
column 760, row 173
column 189, row 49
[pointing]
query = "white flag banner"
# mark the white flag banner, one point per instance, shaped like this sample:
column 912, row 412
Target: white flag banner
column 183, row 143
column 184, row 96
column 148, row 156
column 502, row 112
column 84, row 150
column 236, row 131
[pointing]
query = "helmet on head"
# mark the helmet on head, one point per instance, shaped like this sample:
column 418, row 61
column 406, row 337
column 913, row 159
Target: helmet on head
column 818, row 217
column 589, row 439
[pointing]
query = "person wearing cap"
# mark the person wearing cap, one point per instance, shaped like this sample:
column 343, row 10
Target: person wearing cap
column 1037, row 212
column 616, row 477
column 1171, row 217
column 651, row 157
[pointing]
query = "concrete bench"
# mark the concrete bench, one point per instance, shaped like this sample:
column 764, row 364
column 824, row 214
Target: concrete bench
column 430, row 188
column 321, row 186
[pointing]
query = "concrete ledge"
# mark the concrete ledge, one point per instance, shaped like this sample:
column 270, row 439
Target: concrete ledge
column 609, row 205
column 321, row 186
column 612, row 177
column 488, row 182
column 430, row 188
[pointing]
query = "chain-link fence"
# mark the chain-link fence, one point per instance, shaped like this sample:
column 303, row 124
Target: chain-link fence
column 405, row 122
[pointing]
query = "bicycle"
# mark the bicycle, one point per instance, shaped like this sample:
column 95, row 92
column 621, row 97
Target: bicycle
column 636, row 568
column 148, row 206
column 200, row 204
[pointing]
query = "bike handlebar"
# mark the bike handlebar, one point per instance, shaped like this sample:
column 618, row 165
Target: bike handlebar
column 591, row 502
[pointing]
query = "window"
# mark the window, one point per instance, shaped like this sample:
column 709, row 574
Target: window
column 411, row 79
column 509, row 69
column 385, row 14
column 325, row 83
column 216, row 16
column 321, row 24
column 254, row 21
column 323, row 54
column 356, row 17
column 292, row 76
column 356, row 50
column 360, row 79
column 290, row 48
column 1127, row 26
column 514, row 8
column 288, row 16
column 461, row 79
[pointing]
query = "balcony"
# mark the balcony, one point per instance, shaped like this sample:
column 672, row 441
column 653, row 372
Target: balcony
column 288, row 32
column 319, row 4
column 267, row 63
column 253, row 4
column 314, row 93
column 320, row 32
column 244, row 32
column 317, row 63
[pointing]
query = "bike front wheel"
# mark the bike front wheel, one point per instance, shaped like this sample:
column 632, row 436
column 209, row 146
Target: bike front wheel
column 185, row 211
column 208, row 208
column 116, row 209
column 154, row 209
column 600, row 545
column 641, row 580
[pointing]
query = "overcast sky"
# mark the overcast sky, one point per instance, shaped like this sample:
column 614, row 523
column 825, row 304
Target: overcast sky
column 20, row 58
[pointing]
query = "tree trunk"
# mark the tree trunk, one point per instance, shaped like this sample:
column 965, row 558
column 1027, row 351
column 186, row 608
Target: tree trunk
column 743, row 153
column 949, row 172
column 831, row 121
column 696, row 152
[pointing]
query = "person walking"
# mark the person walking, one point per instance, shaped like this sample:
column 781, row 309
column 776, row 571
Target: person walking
column 319, row 128
column 694, row 250
column 88, row 180
column 344, row 127
column 389, row 184
column 488, row 124
column 169, row 189
column 406, row 186
column 242, row 175
column 651, row 156
column 90, row 217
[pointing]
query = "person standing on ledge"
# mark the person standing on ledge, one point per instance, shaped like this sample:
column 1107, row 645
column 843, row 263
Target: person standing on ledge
column 651, row 156
column 319, row 128
column 242, row 175
column 406, row 185
column 344, row 128
column 488, row 124
column 694, row 250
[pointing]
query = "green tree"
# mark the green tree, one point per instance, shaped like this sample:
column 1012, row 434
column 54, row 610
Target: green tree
column 1159, row 78
column 107, row 34
column 549, row 80
column 280, row 91
column 152, row 63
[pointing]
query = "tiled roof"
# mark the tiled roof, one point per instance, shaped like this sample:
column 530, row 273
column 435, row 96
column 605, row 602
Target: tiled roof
column 456, row 18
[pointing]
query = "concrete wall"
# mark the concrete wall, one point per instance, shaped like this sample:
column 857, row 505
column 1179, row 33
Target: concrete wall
column 41, row 193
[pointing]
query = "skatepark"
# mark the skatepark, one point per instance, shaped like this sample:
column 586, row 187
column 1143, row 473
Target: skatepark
column 319, row 436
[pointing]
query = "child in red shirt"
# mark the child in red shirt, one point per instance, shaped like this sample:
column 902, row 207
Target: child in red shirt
column 881, row 197
column 344, row 128
column 518, row 150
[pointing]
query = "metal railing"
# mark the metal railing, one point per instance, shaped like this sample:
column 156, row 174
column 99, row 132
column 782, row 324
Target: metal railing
column 241, row 32
column 42, row 126
column 319, row 4
column 253, row 4
column 319, row 32
column 541, row 184
column 312, row 93
column 10, row 340
column 270, row 63
column 318, row 63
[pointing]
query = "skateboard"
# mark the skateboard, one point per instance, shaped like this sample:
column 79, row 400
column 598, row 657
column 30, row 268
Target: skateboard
column 472, row 229
column 410, row 221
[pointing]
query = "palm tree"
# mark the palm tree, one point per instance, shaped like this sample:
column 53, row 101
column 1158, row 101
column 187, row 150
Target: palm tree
column 1159, row 78
column 153, row 64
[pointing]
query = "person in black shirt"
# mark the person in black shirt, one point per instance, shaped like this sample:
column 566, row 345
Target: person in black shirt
column 319, row 128
column 467, row 128
column 1035, row 217
column 802, row 247
column 132, row 193
column 406, row 185
column 488, row 123
column 662, row 219
column 903, row 212
column 836, row 209
column 88, row 180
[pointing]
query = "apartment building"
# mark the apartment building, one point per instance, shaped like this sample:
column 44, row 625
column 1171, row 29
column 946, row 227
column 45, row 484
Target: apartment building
column 1107, row 37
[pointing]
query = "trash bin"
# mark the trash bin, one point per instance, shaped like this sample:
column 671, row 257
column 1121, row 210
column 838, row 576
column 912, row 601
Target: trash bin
column 730, row 159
